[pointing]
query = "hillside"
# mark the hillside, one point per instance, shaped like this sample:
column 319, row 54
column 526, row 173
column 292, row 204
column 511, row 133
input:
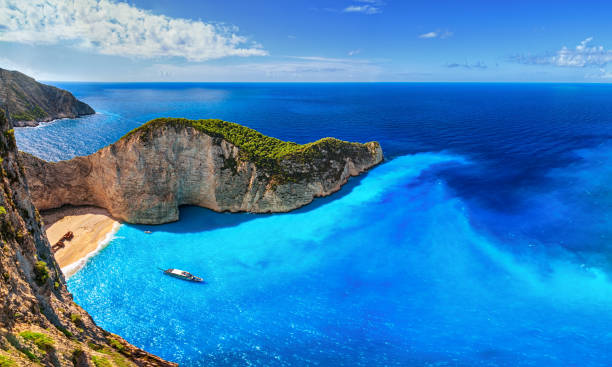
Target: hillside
column 27, row 102
column 39, row 322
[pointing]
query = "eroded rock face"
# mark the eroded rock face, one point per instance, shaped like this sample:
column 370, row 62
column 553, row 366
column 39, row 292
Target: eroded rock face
column 34, row 300
column 145, row 177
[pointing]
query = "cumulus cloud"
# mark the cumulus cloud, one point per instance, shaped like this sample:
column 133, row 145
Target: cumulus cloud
column 113, row 28
column 436, row 34
column 366, row 7
column 583, row 55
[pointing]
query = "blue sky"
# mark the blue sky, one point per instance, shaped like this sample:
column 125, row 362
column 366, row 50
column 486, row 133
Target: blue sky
column 307, row 40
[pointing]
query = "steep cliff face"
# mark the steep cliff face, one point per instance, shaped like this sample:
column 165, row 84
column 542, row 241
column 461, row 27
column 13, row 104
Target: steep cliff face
column 39, row 322
column 27, row 102
column 147, row 175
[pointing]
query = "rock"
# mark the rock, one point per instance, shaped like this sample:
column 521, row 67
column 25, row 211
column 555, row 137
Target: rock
column 27, row 102
column 33, row 291
column 145, row 176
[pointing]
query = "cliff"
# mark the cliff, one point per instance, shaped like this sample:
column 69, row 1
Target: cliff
column 39, row 322
column 145, row 176
column 27, row 102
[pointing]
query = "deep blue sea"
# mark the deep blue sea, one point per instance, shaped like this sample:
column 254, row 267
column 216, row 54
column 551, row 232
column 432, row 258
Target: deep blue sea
column 484, row 239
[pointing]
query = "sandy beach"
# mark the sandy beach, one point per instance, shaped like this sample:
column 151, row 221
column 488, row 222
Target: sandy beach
column 92, row 228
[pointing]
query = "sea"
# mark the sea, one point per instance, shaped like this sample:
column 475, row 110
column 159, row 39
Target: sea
column 483, row 239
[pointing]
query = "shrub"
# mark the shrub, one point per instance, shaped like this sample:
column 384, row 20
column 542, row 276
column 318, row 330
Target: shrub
column 10, row 137
column 77, row 356
column 41, row 271
column 100, row 361
column 76, row 319
column 7, row 362
column 65, row 332
column 42, row 341
column 116, row 344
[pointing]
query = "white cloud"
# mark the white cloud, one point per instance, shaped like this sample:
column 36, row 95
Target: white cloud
column 365, row 9
column 112, row 28
column 354, row 52
column 582, row 55
column 429, row 35
column 436, row 34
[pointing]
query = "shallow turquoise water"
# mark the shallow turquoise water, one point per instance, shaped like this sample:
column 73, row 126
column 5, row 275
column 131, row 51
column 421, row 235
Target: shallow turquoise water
column 483, row 240
column 388, row 272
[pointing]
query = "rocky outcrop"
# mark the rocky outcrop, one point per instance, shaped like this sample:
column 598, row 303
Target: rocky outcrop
column 39, row 322
column 147, row 175
column 27, row 102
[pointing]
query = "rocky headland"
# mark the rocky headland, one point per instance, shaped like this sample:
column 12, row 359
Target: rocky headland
column 146, row 175
column 39, row 322
column 27, row 102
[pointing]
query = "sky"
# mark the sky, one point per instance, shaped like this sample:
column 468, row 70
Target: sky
column 308, row 40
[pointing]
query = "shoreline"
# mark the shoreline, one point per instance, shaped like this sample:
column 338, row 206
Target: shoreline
column 93, row 230
column 29, row 124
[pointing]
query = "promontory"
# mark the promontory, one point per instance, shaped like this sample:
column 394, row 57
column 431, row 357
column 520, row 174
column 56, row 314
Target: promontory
column 168, row 162
column 27, row 102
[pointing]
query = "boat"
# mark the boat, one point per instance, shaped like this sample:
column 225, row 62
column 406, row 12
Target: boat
column 181, row 274
column 148, row 232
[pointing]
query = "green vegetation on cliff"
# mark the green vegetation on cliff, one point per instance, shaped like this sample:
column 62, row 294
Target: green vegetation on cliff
column 42, row 341
column 7, row 362
column 254, row 146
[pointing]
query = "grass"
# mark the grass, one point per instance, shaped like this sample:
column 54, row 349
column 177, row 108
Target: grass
column 42, row 341
column 100, row 361
column 7, row 362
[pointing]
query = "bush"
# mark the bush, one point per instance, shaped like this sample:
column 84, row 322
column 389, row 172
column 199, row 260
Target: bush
column 10, row 137
column 77, row 356
column 76, row 319
column 65, row 332
column 116, row 344
column 41, row 271
column 42, row 341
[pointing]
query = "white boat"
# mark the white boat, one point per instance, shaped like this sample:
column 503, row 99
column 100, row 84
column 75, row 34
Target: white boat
column 182, row 274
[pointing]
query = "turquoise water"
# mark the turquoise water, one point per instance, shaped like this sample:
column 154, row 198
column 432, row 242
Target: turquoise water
column 483, row 240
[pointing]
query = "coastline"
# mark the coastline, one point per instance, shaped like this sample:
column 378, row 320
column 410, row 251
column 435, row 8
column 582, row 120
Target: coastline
column 42, row 123
column 93, row 229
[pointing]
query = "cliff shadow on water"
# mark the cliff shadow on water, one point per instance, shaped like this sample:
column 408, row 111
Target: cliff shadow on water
column 195, row 219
